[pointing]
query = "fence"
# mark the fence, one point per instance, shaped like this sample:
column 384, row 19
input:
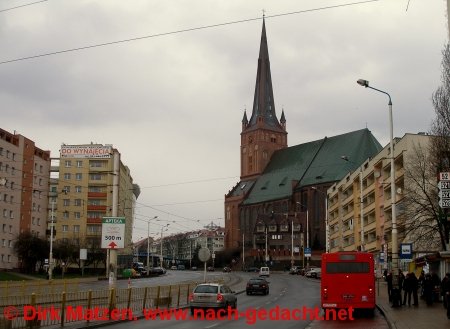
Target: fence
column 25, row 288
column 59, row 309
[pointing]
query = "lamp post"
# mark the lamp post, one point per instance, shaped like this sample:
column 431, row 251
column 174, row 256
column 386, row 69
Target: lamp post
column 148, row 244
column 307, row 233
column 327, row 228
column 394, row 244
column 161, row 256
column 50, row 257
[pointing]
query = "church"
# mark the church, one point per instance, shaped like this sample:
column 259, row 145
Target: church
column 276, row 213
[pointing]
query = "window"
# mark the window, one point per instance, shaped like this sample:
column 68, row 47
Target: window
column 78, row 189
column 79, row 163
column 67, row 163
column 76, row 228
column 13, row 171
column 67, row 176
column 39, row 222
column 77, row 215
column 66, row 189
column 348, row 267
column 11, row 214
column 78, row 202
column 65, row 228
column 78, row 176
column 65, row 215
column 66, row 202
column 5, row 213
column 95, row 176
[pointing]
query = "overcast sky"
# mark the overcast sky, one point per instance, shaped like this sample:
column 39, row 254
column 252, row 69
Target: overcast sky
column 172, row 104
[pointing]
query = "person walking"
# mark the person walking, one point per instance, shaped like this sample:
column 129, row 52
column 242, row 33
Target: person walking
column 428, row 288
column 414, row 287
column 389, row 285
column 446, row 289
column 407, row 288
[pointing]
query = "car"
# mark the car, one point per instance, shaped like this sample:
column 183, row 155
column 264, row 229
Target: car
column 157, row 271
column 313, row 272
column 294, row 270
column 181, row 267
column 174, row 267
column 257, row 285
column 253, row 269
column 210, row 269
column 264, row 271
column 212, row 296
column 194, row 268
column 226, row 269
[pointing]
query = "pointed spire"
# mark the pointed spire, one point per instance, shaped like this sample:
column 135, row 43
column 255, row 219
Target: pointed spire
column 263, row 102
column 244, row 119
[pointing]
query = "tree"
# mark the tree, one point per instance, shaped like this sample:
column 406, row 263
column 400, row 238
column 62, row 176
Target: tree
column 440, row 128
column 31, row 250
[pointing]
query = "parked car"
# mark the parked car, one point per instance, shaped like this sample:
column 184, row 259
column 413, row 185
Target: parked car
column 194, row 268
column 157, row 271
column 212, row 295
column 294, row 270
column 313, row 272
column 210, row 269
column 253, row 269
column 257, row 285
column 264, row 271
column 174, row 267
column 226, row 269
column 181, row 267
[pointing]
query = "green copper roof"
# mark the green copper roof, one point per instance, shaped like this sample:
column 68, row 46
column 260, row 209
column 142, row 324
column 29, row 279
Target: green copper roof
column 313, row 163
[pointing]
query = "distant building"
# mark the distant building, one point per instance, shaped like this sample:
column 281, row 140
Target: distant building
column 282, row 190
column 24, row 179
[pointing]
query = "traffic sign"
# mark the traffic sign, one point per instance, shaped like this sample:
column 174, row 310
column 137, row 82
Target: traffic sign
column 406, row 251
column 307, row 252
column 444, row 190
column 113, row 232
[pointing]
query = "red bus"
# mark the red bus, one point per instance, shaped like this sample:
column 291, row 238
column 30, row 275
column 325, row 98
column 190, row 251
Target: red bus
column 348, row 280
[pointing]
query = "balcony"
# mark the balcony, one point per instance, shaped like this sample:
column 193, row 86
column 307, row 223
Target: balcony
column 94, row 220
column 96, row 207
column 97, row 195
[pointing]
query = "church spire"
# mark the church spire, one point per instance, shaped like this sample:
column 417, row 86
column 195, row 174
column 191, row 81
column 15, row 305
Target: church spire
column 263, row 103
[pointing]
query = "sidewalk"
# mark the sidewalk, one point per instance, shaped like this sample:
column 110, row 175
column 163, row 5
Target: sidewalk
column 411, row 317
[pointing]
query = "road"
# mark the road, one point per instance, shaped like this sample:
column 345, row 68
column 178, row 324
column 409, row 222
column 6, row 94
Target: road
column 287, row 293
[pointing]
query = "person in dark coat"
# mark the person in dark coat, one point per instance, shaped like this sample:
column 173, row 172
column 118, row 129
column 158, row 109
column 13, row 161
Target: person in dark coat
column 389, row 285
column 407, row 289
column 446, row 288
column 414, row 287
column 428, row 288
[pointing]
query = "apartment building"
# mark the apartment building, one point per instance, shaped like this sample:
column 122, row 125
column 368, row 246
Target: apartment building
column 359, row 205
column 92, row 183
column 24, row 178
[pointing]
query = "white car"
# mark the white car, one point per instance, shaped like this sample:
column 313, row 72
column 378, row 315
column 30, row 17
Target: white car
column 314, row 272
column 264, row 271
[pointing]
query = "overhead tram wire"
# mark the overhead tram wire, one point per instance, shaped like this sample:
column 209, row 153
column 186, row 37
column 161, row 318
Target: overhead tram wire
column 182, row 31
column 21, row 6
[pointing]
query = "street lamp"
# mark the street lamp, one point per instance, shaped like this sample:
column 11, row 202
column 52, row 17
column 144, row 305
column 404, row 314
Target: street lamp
column 148, row 244
column 394, row 245
column 327, row 228
column 307, row 233
column 161, row 256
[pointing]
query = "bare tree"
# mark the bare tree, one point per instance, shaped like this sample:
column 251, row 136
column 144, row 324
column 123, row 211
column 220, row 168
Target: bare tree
column 423, row 224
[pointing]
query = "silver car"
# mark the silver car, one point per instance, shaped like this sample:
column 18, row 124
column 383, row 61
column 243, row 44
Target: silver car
column 212, row 295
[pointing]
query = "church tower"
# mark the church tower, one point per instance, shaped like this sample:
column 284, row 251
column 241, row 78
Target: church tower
column 263, row 134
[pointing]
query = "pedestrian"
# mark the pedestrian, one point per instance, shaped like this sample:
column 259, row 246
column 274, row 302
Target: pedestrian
column 447, row 293
column 407, row 289
column 398, row 292
column 421, row 283
column 443, row 285
column 414, row 288
column 389, row 285
column 436, row 286
column 428, row 288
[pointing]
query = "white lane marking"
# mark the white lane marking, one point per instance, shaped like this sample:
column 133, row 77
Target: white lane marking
column 213, row 325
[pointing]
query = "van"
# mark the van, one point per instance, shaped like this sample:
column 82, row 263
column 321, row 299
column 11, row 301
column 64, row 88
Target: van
column 264, row 271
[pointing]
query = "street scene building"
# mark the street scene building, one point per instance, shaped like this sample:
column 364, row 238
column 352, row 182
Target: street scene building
column 24, row 179
column 365, row 193
column 92, row 183
column 278, row 206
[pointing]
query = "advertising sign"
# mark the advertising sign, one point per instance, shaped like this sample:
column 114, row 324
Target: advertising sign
column 113, row 232
column 86, row 151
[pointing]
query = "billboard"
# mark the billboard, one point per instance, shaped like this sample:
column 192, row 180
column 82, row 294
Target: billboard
column 86, row 151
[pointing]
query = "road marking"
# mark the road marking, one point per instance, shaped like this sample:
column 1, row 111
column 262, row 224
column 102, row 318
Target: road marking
column 213, row 325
